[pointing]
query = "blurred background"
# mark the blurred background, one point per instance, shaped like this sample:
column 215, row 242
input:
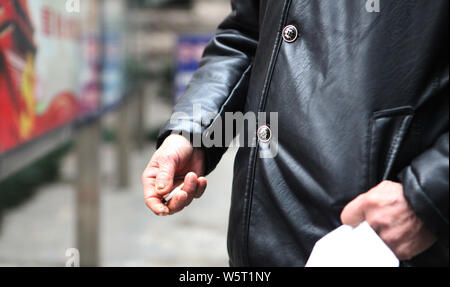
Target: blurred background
column 85, row 86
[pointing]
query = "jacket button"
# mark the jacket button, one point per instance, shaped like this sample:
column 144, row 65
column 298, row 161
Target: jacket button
column 264, row 134
column 290, row 33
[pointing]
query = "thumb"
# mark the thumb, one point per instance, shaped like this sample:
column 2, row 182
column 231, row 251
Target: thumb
column 165, row 175
column 353, row 214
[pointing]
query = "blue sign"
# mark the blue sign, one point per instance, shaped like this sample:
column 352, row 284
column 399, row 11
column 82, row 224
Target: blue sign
column 189, row 51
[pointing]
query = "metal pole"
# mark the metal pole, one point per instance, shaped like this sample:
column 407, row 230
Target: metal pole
column 88, row 195
column 123, row 144
column 140, row 119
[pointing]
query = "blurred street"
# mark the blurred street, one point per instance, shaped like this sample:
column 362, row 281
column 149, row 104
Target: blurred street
column 38, row 230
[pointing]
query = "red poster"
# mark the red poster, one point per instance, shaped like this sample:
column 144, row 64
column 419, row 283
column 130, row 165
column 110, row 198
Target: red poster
column 41, row 66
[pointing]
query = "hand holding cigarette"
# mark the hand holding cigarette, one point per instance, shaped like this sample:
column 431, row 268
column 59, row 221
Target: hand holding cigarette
column 172, row 179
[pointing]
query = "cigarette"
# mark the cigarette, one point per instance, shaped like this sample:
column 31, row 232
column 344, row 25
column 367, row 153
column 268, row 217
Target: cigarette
column 172, row 194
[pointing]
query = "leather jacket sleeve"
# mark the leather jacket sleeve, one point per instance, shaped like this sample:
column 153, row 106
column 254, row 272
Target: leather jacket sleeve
column 221, row 82
column 426, row 187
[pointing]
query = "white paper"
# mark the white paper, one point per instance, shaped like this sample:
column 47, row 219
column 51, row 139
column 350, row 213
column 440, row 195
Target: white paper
column 352, row 247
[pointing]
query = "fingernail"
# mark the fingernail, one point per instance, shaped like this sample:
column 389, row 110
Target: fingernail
column 160, row 186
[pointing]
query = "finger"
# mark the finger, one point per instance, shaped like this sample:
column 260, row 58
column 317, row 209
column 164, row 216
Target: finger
column 153, row 200
column 165, row 175
column 185, row 196
column 201, row 187
column 148, row 184
column 353, row 214
column 155, row 204
column 190, row 183
column 151, row 170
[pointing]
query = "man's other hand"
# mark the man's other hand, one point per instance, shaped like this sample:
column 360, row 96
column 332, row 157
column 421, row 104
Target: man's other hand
column 388, row 212
column 176, row 162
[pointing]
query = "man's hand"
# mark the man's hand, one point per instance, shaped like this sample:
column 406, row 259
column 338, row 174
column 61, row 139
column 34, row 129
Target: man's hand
column 387, row 211
column 174, row 163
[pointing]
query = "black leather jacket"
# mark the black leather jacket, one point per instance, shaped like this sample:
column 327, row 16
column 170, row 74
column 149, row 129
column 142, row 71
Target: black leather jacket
column 362, row 97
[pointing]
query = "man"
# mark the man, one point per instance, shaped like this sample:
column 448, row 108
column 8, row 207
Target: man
column 362, row 135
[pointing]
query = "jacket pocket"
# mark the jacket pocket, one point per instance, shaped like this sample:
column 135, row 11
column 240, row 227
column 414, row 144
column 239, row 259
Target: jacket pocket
column 388, row 129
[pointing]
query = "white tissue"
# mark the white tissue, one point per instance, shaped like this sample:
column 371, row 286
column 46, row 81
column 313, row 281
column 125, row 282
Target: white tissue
column 352, row 247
